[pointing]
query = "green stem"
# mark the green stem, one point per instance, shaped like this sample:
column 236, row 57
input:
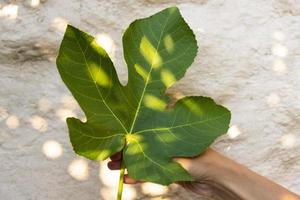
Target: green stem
column 121, row 180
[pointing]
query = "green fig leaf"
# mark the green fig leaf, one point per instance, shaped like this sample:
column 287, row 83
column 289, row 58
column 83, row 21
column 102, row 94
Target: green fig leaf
column 135, row 118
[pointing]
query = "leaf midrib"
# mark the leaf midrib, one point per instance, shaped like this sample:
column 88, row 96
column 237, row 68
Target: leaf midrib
column 148, row 78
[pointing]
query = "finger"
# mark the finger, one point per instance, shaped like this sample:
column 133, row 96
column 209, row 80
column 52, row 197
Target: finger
column 129, row 180
column 114, row 165
column 116, row 156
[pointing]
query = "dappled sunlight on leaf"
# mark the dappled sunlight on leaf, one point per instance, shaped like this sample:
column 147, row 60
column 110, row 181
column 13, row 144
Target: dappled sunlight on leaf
column 9, row 11
column 99, row 76
column 169, row 43
column 154, row 103
column 79, row 169
column 138, row 111
column 193, row 107
column 52, row 149
column 12, row 122
column 233, row 131
column 38, row 123
column 150, row 53
column 167, row 77
column 141, row 71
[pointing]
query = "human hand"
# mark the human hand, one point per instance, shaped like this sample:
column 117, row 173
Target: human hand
column 217, row 177
column 201, row 168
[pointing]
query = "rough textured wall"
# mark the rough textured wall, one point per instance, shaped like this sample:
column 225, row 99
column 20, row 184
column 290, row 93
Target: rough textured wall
column 249, row 60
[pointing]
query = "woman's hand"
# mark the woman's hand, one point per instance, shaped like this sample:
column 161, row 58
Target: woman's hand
column 220, row 178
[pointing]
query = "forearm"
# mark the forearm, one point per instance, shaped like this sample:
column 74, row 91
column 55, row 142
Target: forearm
column 243, row 182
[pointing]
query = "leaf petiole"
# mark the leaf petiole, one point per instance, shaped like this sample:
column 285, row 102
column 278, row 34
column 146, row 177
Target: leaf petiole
column 121, row 180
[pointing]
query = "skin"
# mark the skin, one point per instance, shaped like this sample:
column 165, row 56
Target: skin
column 220, row 178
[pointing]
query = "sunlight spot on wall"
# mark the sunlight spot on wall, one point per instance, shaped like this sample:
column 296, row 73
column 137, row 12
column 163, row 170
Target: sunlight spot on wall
column 107, row 43
column 129, row 193
column 169, row 43
column 38, row 123
column 63, row 114
column 167, row 77
column 10, row 11
column 153, row 189
column 12, row 122
column 288, row 141
column 79, row 169
column 154, row 103
column 279, row 50
column 108, row 192
column 160, row 198
column 52, row 149
column 150, row 53
column 44, row 104
column 110, row 179
column 35, row 3
column 228, row 148
column 99, row 76
column 104, row 172
column 278, row 35
column 201, row 30
column 279, row 66
column 233, row 132
column 141, row 71
column 273, row 100
column 69, row 102
column 3, row 113
column 59, row 24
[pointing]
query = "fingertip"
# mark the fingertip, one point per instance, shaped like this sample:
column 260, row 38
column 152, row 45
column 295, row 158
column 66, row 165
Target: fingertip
column 116, row 156
column 129, row 180
column 114, row 165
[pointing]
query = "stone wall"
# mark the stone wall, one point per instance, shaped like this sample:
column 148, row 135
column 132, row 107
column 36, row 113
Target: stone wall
column 249, row 60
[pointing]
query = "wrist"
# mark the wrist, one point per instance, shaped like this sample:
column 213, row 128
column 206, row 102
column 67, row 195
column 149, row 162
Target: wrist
column 220, row 169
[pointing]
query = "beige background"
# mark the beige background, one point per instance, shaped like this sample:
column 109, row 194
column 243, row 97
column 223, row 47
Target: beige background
column 249, row 60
